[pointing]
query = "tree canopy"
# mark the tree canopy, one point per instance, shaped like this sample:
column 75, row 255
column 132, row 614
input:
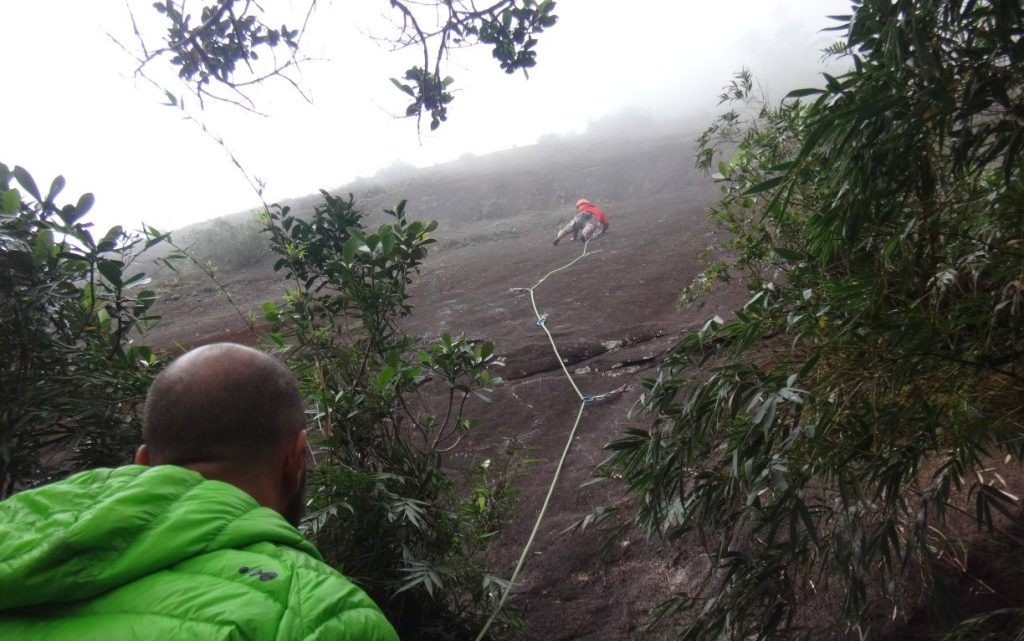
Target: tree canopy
column 229, row 47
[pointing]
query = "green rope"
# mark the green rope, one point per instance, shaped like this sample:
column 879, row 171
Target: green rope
column 565, row 451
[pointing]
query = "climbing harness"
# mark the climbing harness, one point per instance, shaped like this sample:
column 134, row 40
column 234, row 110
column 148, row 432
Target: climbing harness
column 584, row 401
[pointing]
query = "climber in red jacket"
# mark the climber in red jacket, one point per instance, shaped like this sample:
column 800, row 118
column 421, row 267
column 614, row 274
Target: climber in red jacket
column 588, row 222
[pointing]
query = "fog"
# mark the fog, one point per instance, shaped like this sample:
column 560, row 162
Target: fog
column 76, row 109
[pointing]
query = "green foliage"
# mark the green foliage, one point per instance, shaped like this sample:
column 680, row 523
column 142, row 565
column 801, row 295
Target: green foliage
column 388, row 408
column 70, row 376
column 223, row 48
column 508, row 27
column 383, row 507
column 429, row 93
column 212, row 50
column 1005, row 624
column 816, row 443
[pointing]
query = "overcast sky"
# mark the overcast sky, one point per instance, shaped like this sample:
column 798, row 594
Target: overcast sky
column 71, row 106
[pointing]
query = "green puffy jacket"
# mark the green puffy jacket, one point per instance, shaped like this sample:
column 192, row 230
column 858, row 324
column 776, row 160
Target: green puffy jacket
column 162, row 553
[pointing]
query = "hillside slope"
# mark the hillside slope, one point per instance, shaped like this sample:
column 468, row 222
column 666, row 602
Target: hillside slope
column 612, row 314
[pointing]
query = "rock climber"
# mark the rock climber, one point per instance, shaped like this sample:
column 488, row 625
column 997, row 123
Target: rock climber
column 588, row 222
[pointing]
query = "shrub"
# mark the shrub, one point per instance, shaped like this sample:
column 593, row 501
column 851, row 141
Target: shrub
column 817, row 442
column 383, row 506
column 70, row 375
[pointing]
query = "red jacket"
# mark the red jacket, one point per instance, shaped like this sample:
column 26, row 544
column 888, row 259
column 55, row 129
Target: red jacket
column 594, row 211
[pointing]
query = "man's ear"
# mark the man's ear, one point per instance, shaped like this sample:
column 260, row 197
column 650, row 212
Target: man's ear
column 142, row 455
column 295, row 461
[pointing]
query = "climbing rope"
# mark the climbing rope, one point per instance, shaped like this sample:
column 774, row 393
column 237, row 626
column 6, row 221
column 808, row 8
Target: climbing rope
column 584, row 401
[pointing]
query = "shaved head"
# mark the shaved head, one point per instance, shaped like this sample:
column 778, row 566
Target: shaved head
column 223, row 404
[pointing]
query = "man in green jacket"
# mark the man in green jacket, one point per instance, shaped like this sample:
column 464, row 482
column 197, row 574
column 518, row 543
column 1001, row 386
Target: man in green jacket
column 198, row 540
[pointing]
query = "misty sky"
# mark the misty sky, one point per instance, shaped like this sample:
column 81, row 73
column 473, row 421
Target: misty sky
column 76, row 110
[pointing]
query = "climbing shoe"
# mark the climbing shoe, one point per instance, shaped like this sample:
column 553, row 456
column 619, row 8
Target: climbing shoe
column 556, row 241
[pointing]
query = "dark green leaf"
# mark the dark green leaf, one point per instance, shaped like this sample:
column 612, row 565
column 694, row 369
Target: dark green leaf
column 801, row 93
column 111, row 270
column 27, row 183
column 765, row 185
column 55, row 188
column 85, row 203
column 403, row 87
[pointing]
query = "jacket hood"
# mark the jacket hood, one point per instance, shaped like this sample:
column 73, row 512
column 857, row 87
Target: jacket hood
column 101, row 529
